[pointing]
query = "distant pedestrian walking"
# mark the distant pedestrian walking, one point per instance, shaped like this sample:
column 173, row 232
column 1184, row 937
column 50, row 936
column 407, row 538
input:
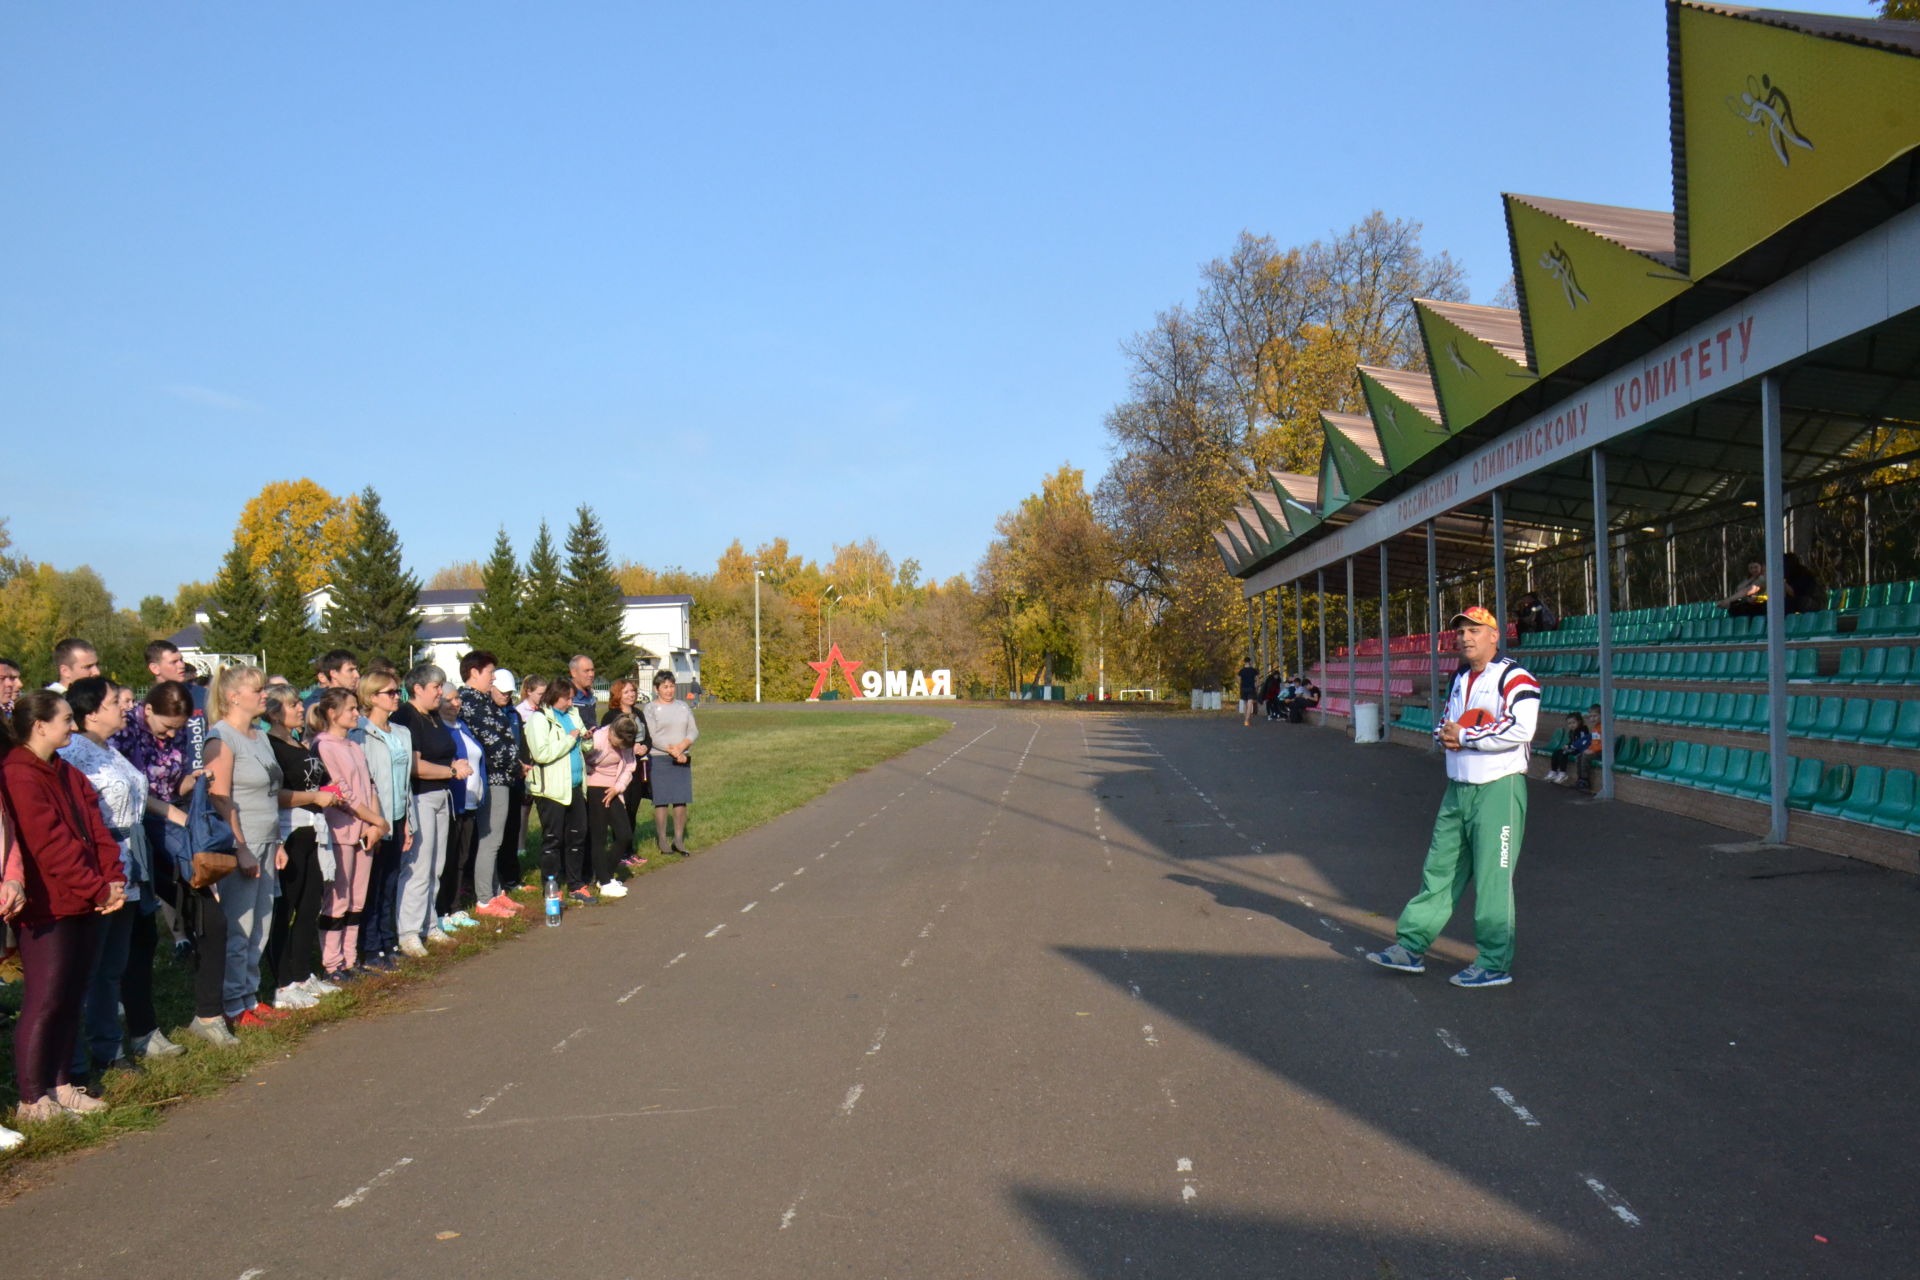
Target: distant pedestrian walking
column 1249, row 678
column 1492, row 709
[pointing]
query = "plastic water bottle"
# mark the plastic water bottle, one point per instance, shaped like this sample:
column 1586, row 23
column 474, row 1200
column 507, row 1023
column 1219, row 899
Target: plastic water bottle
column 553, row 902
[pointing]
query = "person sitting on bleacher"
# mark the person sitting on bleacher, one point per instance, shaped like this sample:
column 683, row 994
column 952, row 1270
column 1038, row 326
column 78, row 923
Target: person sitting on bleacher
column 1306, row 696
column 1588, row 762
column 1532, row 614
column 1579, row 737
column 1804, row 594
column 1750, row 597
column 1270, row 693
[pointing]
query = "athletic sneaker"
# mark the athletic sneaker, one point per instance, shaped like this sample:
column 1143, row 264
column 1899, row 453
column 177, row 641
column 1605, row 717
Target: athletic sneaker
column 1474, row 976
column 444, row 932
column 155, row 1044
column 504, row 904
column 581, row 898
column 635, row 862
column 291, row 997
column 613, row 889
column 76, row 1101
column 316, row 987
column 459, row 920
column 412, row 946
column 9, row 1139
column 39, row 1111
column 1399, row 959
column 212, row 1030
column 495, row 910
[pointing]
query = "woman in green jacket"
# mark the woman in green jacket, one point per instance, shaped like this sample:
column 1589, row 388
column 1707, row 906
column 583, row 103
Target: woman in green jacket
column 554, row 735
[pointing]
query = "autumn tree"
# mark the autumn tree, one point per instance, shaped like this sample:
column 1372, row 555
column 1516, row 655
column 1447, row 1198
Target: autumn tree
column 40, row 605
column 239, row 605
column 375, row 610
column 298, row 519
column 460, row 575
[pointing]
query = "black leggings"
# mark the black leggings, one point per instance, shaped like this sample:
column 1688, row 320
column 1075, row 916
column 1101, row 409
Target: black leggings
column 456, row 875
column 206, row 924
column 296, row 912
column 563, row 840
column 136, row 984
column 609, row 832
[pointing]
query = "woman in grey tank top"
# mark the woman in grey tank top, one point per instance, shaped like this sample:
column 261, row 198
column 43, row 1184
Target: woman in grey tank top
column 245, row 785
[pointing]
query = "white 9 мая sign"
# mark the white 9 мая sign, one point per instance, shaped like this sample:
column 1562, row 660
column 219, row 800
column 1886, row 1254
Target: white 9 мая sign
column 901, row 684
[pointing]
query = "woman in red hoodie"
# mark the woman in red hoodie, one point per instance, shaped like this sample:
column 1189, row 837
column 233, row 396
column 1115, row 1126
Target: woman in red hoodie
column 66, row 868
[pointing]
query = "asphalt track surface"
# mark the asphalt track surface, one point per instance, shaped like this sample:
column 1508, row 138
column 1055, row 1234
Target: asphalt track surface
column 1073, row 994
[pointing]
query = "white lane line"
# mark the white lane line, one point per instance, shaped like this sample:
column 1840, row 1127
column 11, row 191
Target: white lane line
column 1526, row 1116
column 716, row 929
column 823, row 853
column 926, row 930
column 570, row 1038
column 1134, row 987
column 1446, row 1038
column 786, row 1219
column 908, row 962
column 489, row 1100
column 1183, row 1165
column 777, row 888
column 1331, row 925
column 354, row 1198
column 852, row 1099
column 1187, row 1190
column 1612, row 1199
column 253, row 1273
column 800, row 871
column 676, row 960
column 878, row 1036
column 631, row 994
column 1152, row 1039
column 750, row 906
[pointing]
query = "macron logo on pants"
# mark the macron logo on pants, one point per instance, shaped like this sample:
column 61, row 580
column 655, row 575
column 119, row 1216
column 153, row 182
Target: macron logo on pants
column 1506, row 846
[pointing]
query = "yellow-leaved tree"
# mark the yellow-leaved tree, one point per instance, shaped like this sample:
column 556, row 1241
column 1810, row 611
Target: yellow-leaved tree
column 301, row 519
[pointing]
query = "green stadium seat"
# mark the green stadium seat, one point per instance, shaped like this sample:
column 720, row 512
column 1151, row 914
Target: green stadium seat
column 1826, row 720
column 1803, row 782
column 1882, row 718
column 1899, row 666
column 1800, row 714
column 1864, row 799
column 1749, row 712
column 1873, row 667
column 1834, row 786
column 1897, row 798
column 1823, row 623
column 1906, row 726
column 1690, row 762
column 1853, row 720
column 1687, row 709
column 1877, row 595
column 1714, row 771
column 1802, row 664
column 1853, row 660
column 1722, row 713
column 1626, row 750
column 1758, row 781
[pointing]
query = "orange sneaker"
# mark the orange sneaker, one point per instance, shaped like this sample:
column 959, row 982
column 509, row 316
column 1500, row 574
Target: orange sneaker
column 267, row 1013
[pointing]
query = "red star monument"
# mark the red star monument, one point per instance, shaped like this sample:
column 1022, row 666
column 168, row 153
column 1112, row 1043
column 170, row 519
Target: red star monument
column 834, row 658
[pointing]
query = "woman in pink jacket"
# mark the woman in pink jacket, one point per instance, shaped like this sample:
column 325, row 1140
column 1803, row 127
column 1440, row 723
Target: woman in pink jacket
column 610, row 765
column 356, row 825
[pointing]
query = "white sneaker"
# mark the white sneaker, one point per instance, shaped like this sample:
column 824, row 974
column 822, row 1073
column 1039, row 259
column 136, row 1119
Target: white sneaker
column 412, row 946
column 316, row 986
column 613, row 889
column 441, row 934
column 213, row 1031
column 459, row 920
column 155, row 1044
column 293, row 998
column 10, row 1139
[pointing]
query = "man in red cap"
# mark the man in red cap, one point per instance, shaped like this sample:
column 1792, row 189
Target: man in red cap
column 1493, row 706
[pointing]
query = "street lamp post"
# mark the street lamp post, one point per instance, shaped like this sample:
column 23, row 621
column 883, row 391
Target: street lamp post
column 885, row 665
column 757, row 575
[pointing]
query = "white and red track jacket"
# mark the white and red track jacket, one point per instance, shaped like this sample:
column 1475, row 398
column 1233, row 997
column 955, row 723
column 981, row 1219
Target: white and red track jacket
column 1507, row 692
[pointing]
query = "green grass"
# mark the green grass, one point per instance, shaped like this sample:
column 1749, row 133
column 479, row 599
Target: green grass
column 750, row 766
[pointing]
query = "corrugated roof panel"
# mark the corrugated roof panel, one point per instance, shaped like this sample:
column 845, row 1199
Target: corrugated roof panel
column 1880, row 33
column 1498, row 327
column 1414, row 388
column 1644, row 231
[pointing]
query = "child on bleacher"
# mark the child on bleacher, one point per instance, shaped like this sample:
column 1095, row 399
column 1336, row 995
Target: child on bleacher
column 1579, row 738
column 1589, row 761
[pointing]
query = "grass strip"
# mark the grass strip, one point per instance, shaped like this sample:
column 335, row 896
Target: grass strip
column 750, row 766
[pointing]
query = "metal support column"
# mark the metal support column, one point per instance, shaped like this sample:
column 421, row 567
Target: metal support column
column 1320, row 593
column 1603, row 606
column 1386, row 655
column 1436, row 700
column 1353, row 694
column 1299, row 632
column 1771, row 504
column 1269, row 605
column 1500, row 564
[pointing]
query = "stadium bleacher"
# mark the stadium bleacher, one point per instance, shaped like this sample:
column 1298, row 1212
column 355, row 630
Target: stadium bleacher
column 1690, row 700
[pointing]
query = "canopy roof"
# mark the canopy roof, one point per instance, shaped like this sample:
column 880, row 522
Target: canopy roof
column 1794, row 248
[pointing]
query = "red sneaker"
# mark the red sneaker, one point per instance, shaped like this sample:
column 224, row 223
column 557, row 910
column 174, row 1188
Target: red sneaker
column 250, row 1020
column 267, row 1013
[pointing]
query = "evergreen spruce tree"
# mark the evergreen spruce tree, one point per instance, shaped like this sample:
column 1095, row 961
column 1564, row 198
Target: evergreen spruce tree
column 543, row 614
column 596, row 621
column 376, row 602
column 239, row 602
column 497, row 623
column 287, row 633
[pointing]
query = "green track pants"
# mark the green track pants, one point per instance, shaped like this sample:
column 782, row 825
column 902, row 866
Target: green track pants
column 1476, row 837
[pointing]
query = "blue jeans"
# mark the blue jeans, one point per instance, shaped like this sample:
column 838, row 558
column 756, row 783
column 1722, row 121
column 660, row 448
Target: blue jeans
column 100, row 1016
column 378, row 936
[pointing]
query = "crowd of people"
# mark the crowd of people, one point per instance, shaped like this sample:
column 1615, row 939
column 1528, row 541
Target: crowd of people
column 291, row 844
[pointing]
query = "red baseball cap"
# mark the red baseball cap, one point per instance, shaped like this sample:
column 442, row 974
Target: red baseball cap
column 1475, row 615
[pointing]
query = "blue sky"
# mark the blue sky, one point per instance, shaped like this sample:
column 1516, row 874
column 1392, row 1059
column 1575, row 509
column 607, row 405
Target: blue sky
column 725, row 270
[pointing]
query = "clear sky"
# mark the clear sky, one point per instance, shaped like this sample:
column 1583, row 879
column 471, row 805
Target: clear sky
column 829, row 270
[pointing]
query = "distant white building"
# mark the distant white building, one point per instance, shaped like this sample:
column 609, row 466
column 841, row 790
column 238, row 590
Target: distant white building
column 660, row 627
